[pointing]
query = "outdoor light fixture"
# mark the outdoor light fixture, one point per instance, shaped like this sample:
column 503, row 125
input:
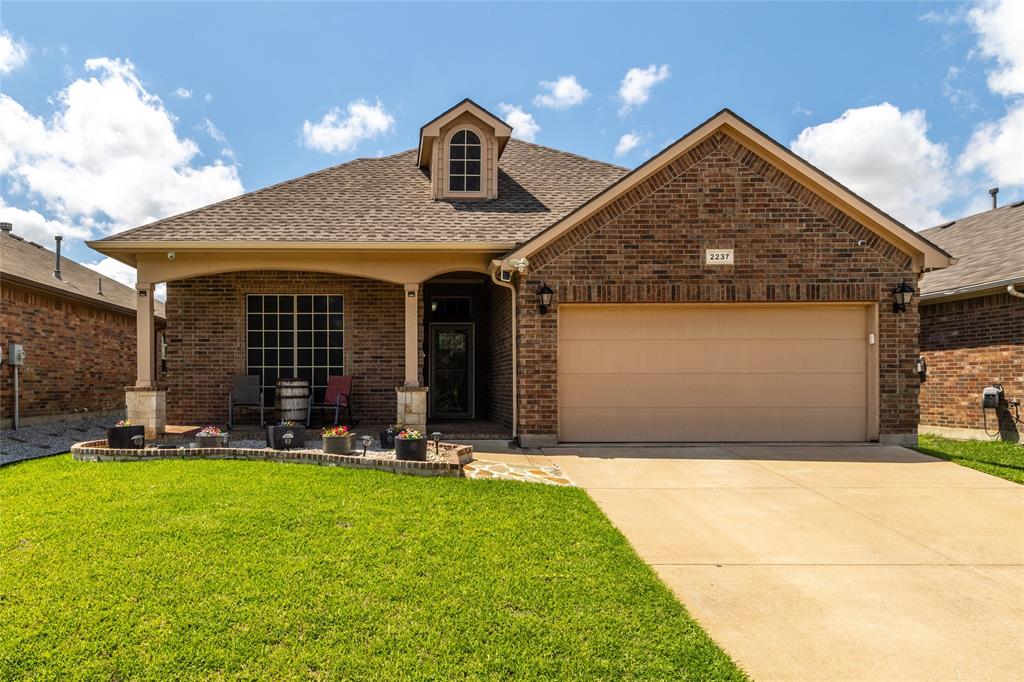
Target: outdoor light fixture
column 436, row 437
column 287, row 438
column 901, row 297
column 366, row 443
column 544, row 296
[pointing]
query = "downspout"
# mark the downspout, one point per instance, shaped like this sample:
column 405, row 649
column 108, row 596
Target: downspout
column 515, row 353
column 1011, row 289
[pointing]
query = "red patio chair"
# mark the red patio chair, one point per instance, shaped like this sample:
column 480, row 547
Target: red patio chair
column 338, row 395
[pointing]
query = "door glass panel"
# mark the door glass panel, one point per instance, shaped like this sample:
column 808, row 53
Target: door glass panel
column 451, row 376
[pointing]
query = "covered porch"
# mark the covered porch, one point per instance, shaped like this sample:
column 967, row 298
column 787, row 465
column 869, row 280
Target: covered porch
column 394, row 320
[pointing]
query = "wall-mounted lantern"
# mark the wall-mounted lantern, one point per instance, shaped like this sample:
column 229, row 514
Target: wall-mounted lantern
column 544, row 296
column 901, row 297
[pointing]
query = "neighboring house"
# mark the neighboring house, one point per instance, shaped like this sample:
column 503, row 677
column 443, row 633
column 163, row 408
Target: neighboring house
column 77, row 328
column 725, row 290
column 972, row 326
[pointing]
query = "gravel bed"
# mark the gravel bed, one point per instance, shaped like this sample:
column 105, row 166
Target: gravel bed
column 49, row 438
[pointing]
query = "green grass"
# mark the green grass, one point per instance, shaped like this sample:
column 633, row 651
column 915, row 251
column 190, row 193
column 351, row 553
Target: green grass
column 215, row 569
column 1005, row 460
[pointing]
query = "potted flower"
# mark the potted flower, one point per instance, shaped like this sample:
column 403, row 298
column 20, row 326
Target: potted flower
column 410, row 444
column 209, row 437
column 387, row 436
column 124, row 434
column 285, row 435
column 337, row 440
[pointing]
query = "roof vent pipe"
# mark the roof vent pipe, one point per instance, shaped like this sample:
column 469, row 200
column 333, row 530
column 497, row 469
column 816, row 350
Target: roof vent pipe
column 56, row 267
column 993, row 192
column 7, row 227
column 99, row 286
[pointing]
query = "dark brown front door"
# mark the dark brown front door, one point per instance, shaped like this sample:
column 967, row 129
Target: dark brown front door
column 451, row 371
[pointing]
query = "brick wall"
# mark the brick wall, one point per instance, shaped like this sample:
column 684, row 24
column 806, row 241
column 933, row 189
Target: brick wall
column 500, row 365
column 970, row 344
column 206, row 337
column 79, row 357
column 647, row 246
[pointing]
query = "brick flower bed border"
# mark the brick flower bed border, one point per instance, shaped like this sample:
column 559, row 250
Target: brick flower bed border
column 457, row 455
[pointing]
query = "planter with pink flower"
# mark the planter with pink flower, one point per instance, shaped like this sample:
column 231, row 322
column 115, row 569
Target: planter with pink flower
column 210, row 437
column 126, row 435
column 337, row 440
column 410, row 444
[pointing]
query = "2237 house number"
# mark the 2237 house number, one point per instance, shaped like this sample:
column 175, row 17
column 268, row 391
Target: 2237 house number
column 718, row 257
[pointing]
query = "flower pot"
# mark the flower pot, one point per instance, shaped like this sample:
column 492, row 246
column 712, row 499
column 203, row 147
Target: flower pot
column 209, row 441
column 411, row 448
column 387, row 439
column 337, row 445
column 286, row 437
column 126, row 437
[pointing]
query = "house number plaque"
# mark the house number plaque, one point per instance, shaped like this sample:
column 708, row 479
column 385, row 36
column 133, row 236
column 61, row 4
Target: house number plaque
column 718, row 257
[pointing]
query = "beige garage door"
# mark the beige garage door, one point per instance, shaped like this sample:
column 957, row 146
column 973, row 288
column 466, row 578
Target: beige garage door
column 652, row 373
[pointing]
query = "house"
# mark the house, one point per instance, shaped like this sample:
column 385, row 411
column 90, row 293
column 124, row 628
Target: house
column 972, row 326
column 76, row 327
column 725, row 290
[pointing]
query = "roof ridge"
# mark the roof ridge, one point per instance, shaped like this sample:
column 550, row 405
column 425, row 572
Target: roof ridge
column 246, row 194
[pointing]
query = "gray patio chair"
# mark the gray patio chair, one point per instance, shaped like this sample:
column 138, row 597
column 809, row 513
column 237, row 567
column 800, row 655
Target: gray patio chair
column 245, row 392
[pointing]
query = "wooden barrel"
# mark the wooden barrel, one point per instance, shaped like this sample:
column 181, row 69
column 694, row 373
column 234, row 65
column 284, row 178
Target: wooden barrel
column 292, row 399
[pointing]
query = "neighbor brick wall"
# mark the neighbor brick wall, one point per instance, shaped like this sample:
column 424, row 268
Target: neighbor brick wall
column 206, row 337
column 500, row 366
column 79, row 357
column 648, row 245
column 970, row 344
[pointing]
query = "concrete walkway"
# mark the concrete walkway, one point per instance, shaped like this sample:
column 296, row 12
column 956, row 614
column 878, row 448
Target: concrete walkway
column 812, row 563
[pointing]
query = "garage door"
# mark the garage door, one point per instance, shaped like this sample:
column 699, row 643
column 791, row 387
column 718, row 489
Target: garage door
column 652, row 373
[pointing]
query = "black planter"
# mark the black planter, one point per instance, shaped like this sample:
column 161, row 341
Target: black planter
column 209, row 441
column 276, row 437
column 126, row 437
column 387, row 439
column 413, row 449
column 337, row 445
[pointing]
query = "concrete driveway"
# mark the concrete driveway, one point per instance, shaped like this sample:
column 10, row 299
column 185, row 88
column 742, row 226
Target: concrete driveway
column 833, row 562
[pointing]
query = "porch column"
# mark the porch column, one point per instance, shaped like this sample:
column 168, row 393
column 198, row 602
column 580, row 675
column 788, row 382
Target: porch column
column 412, row 397
column 145, row 404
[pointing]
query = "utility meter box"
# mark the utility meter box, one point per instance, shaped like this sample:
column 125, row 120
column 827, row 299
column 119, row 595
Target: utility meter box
column 991, row 397
column 15, row 354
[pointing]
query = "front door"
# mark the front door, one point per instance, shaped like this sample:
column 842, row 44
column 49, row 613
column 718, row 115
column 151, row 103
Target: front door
column 451, row 371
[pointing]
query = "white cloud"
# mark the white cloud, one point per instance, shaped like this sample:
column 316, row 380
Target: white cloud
column 802, row 110
column 960, row 98
column 524, row 127
column 207, row 98
column 636, row 86
column 884, row 155
column 12, row 53
column 563, row 93
column 998, row 149
column 342, row 133
column 627, row 143
column 36, row 227
column 109, row 155
column 182, row 93
column 1000, row 28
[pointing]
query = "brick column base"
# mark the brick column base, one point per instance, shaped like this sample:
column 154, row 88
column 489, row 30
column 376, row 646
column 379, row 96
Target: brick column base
column 148, row 407
column 412, row 407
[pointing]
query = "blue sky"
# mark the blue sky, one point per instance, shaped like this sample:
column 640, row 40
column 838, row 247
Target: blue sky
column 913, row 104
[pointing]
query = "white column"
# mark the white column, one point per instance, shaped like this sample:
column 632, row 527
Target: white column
column 145, row 329
column 412, row 337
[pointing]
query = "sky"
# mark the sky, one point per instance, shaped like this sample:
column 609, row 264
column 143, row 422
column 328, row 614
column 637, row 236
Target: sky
column 116, row 114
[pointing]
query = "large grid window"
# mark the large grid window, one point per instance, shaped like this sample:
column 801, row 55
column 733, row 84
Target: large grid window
column 295, row 336
column 464, row 162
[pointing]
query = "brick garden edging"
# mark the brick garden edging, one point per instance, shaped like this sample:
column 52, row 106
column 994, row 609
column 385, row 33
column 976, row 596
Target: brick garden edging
column 457, row 455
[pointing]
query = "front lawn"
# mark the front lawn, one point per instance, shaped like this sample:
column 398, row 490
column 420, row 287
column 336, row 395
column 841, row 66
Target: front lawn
column 998, row 458
column 200, row 569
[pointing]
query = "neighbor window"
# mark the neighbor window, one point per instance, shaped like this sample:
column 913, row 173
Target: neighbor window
column 293, row 336
column 464, row 162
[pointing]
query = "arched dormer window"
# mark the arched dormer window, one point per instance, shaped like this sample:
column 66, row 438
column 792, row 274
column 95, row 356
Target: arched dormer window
column 464, row 162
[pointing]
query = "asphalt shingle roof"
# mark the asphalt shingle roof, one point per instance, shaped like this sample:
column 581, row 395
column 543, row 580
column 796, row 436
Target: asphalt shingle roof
column 388, row 200
column 27, row 261
column 989, row 248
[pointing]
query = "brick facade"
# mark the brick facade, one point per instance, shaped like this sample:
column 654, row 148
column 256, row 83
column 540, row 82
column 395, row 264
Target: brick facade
column 206, row 339
column 500, row 365
column 970, row 344
column 647, row 247
column 79, row 357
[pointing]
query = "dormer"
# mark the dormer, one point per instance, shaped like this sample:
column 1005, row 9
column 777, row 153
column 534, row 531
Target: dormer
column 461, row 148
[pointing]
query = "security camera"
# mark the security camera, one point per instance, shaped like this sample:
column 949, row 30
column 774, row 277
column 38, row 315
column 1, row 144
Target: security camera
column 862, row 242
column 170, row 255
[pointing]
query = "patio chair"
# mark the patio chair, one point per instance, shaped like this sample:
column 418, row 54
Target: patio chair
column 338, row 395
column 245, row 392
